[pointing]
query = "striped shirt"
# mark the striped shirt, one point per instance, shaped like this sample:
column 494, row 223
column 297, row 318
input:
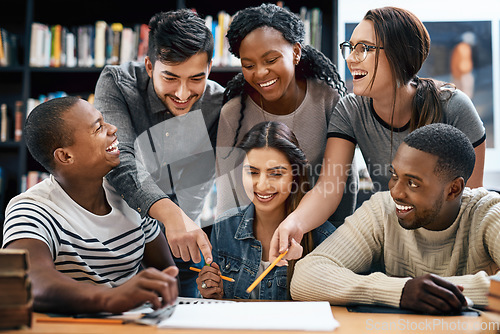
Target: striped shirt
column 105, row 250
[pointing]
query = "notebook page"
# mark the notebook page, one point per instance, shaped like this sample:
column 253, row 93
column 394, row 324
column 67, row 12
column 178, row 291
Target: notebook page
column 310, row 316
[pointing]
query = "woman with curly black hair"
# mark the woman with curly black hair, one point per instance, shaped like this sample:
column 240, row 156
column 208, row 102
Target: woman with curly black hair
column 282, row 80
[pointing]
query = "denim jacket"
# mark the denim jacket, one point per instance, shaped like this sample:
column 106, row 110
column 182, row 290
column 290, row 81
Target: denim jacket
column 239, row 254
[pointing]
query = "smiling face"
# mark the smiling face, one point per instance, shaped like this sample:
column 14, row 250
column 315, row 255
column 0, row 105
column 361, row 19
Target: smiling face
column 179, row 86
column 267, row 61
column 95, row 146
column 419, row 193
column 363, row 72
column 267, row 179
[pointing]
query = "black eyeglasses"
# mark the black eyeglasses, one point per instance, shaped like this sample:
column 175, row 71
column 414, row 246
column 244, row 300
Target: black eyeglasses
column 360, row 50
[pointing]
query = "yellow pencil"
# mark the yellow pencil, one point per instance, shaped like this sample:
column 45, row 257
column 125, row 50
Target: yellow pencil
column 221, row 276
column 271, row 266
column 80, row 320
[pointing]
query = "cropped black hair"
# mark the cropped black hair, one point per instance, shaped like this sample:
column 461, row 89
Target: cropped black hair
column 45, row 130
column 313, row 64
column 456, row 156
column 175, row 36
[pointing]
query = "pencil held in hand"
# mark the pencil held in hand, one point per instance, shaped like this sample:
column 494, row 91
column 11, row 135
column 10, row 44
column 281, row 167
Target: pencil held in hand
column 271, row 266
column 221, row 276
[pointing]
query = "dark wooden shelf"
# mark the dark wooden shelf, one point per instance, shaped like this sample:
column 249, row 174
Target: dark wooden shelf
column 10, row 145
column 12, row 69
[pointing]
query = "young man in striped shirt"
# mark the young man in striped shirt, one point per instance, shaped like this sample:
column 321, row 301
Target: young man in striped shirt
column 86, row 245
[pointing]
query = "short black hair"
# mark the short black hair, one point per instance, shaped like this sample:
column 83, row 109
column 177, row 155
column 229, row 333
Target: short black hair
column 45, row 130
column 175, row 36
column 456, row 156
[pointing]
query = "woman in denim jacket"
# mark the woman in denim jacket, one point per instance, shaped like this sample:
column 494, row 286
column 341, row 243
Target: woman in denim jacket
column 274, row 176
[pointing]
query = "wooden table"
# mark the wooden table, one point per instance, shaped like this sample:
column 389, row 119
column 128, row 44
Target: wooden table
column 350, row 323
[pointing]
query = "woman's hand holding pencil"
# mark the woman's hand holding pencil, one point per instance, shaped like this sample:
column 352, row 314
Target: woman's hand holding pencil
column 210, row 281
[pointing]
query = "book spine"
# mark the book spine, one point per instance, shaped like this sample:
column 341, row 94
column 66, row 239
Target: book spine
column 5, row 123
column 117, row 29
column 55, row 53
column 64, row 58
column 36, row 44
column 100, row 44
column 18, row 124
column 3, row 53
column 70, row 50
column 126, row 45
column 47, row 46
column 142, row 49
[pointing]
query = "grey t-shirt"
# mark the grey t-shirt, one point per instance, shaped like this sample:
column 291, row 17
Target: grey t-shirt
column 354, row 119
column 160, row 155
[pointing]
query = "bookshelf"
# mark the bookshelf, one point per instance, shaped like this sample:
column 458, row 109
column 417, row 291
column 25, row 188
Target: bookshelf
column 20, row 81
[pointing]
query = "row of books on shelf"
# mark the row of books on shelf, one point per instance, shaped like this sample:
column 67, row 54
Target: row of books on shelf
column 9, row 48
column 32, row 102
column 103, row 43
column 16, row 300
column 313, row 22
column 12, row 121
column 92, row 45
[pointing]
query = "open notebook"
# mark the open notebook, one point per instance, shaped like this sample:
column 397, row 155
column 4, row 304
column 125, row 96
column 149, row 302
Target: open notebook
column 310, row 316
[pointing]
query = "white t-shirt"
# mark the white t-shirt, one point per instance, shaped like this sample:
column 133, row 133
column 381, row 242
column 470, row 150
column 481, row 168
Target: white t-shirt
column 105, row 250
column 256, row 291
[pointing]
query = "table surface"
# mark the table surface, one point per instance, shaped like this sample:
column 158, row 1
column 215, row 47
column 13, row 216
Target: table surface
column 350, row 323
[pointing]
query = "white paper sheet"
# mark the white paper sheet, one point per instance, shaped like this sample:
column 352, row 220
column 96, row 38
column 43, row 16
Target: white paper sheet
column 301, row 316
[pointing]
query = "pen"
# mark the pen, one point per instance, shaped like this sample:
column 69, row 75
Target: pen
column 80, row 320
column 271, row 266
column 221, row 276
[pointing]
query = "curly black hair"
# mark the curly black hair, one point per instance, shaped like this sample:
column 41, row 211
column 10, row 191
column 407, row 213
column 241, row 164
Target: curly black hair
column 313, row 64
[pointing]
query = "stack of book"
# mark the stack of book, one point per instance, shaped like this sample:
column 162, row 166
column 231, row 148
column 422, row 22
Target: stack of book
column 15, row 289
column 492, row 310
column 494, row 295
